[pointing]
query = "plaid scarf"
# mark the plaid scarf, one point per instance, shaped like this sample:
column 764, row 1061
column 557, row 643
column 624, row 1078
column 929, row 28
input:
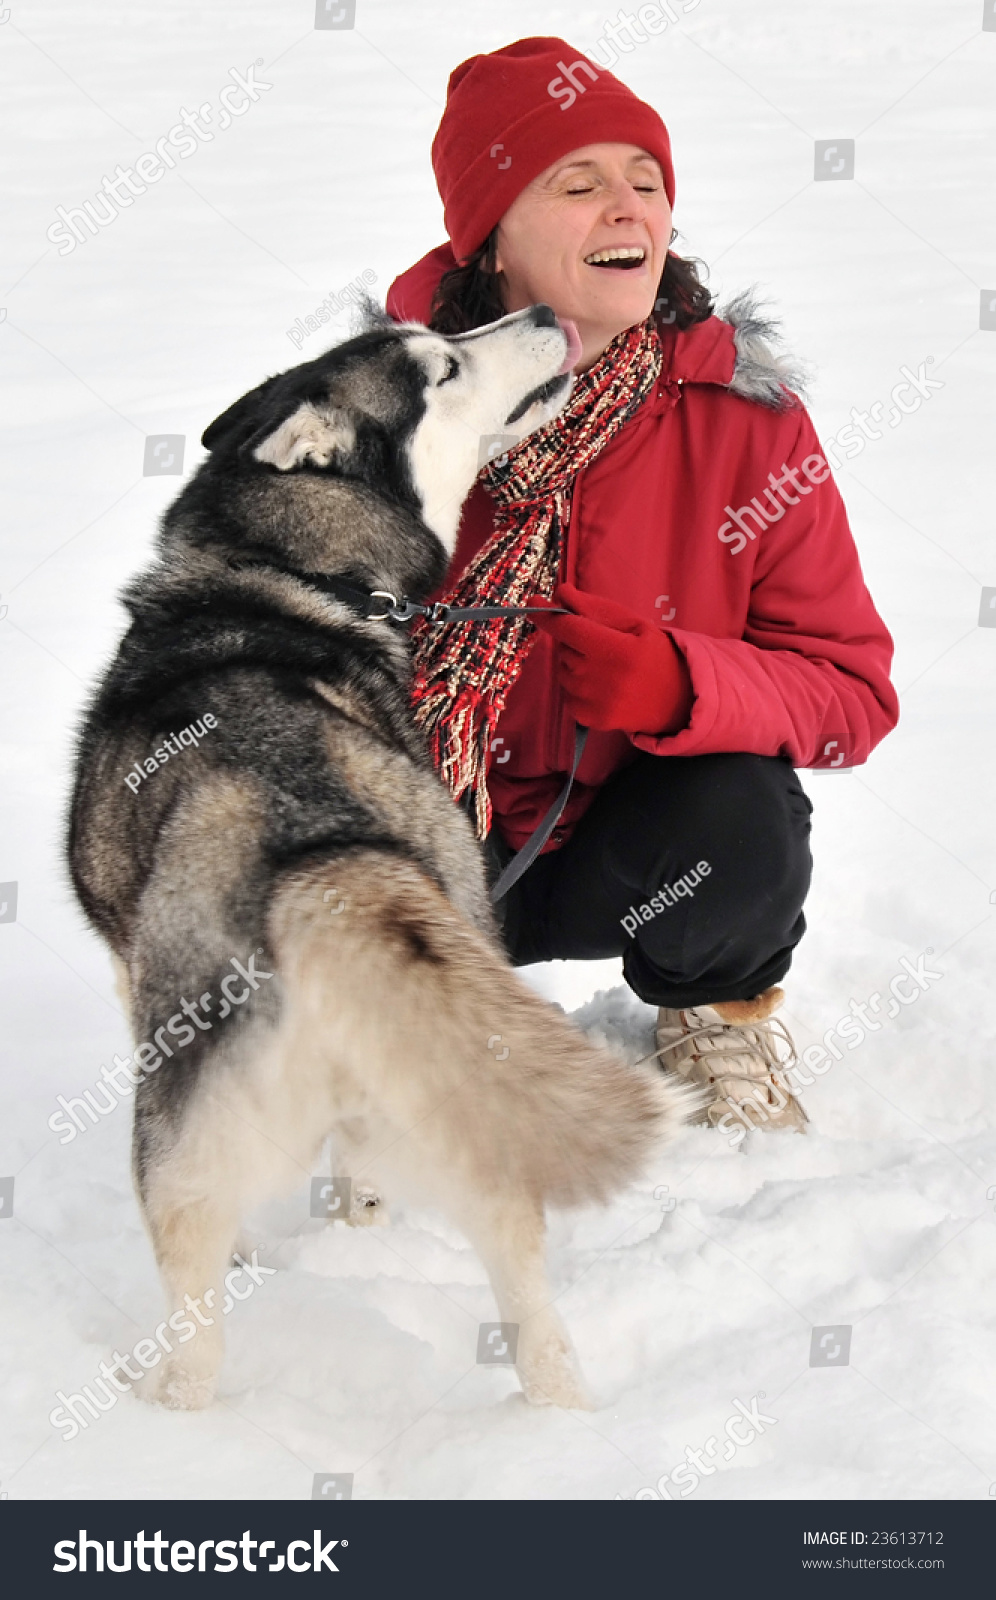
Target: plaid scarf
column 464, row 671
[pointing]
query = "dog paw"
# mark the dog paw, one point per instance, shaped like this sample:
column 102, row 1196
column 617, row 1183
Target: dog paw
column 550, row 1376
column 177, row 1388
column 567, row 1392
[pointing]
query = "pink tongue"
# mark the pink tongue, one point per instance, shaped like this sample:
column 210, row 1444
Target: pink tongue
column 573, row 353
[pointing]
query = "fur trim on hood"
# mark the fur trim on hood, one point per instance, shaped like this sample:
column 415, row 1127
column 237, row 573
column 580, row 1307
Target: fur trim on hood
column 763, row 371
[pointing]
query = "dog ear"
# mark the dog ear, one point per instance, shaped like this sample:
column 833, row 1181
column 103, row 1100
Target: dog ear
column 310, row 434
column 373, row 317
column 241, row 418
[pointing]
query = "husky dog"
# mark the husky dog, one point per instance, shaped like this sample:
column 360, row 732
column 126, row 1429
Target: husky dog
column 298, row 910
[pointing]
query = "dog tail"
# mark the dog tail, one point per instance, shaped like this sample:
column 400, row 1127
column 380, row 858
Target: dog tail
column 471, row 1068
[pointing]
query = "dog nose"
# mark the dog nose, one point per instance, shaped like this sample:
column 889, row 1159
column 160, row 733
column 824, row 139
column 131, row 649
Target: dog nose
column 542, row 316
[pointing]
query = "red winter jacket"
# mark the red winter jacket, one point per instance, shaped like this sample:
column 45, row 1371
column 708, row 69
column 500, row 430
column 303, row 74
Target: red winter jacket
column 786, row 651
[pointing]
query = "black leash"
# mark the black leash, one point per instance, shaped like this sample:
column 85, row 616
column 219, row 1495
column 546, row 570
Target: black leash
column 524, row 858
column 380, row 605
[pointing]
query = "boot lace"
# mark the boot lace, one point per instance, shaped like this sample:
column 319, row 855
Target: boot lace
column 759, row 1041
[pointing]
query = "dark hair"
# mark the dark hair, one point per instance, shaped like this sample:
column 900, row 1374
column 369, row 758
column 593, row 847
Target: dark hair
column 469, row 296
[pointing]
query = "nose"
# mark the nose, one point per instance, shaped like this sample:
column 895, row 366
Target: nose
column 542, row 316
column 627, row 205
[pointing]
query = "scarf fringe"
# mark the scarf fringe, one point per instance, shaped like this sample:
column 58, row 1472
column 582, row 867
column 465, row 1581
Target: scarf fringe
column 459, row 746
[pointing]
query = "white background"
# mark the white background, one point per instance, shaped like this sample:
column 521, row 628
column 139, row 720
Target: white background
column 358, row 1356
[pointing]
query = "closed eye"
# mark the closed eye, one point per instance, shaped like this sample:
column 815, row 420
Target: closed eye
column 452, row 368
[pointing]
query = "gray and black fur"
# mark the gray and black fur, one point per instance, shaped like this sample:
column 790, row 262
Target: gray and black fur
column 214, row 632
column 764, row 373
column 307, row 830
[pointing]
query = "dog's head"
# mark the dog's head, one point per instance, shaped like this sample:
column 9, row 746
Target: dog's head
column 408, row 413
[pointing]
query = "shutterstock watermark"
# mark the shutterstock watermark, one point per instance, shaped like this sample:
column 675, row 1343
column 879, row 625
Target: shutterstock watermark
column 762, row 510
column 905, row 988
column 854, row 435
column 335, row 302
column 148, row 1057
column 688, row 1474
column 622, row 33
column 80, row 223
column 73, row 1409
column 188, row 1555
column 625, row 29
column 738, row 531
column 667, row 896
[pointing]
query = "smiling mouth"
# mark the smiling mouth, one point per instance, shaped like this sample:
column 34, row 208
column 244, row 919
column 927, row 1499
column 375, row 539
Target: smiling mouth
column 625, row 258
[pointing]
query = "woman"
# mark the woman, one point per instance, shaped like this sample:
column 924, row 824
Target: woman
column 719, row 630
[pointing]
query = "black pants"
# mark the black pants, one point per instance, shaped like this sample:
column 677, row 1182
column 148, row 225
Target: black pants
column 726, row 936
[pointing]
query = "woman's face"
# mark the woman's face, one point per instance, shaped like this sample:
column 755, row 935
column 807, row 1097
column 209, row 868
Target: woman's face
column 552, row 239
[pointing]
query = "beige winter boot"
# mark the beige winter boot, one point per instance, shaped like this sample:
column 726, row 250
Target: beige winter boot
column 730, row 1050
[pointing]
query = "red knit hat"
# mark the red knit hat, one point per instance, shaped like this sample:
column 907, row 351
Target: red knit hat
column 511, row 114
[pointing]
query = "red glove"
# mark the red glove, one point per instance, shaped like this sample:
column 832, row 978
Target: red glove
column 616, row 670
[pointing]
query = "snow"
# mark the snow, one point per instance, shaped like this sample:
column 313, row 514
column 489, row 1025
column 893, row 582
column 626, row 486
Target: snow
column 358, row 1354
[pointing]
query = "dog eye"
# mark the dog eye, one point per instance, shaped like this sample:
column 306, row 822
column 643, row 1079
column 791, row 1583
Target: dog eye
column 453, row 367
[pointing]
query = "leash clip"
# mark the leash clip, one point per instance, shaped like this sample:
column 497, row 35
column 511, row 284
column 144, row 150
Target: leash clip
column 404, row 610
column 394, row 611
